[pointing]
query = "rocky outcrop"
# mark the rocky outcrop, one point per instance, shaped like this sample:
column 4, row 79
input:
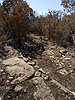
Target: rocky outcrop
column 43, row 91
column 43, row 76
column 17, row 66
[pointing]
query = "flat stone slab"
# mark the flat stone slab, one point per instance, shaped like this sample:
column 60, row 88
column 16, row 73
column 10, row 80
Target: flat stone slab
column 18, row 67
column 14, row 61
column 43, row 91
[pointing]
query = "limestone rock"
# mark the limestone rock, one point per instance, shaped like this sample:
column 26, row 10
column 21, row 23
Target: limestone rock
column 37, row 80
column 1, row 70
column 7, row 81
column 48, row 77
column 63, row 71
column 24, row 90
column 1, row 98
column 53, row 47
column 11, row 51
column 21, row 57
column 43, row 75
column 25, row 59
column 15, row 70
column 63, row 51
column 10, row 78
column 18, row 88
column 66, row 59
column 41, row 70
column 13, row 61
column 0, row 60
column 18, row 80
column 18, row 67
column 71, row 71
column 37, row 74
column 43, row 92
column 73, row 94
column 32, row 63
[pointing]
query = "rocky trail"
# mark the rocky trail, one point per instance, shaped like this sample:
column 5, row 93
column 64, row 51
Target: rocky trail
column 39, row 70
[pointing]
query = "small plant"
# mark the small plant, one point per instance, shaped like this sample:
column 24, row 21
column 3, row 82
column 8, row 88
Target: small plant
column 3, row 39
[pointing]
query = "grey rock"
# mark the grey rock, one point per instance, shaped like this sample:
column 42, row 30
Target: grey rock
column 7, row 88
column 71, row 71
column 32, row 63
column 3, row 73
column 11, row 51
column 25, row 59
column 1, row 98
column 63, row 71
column 63, row 51
column 10, row 78
column 7, row 81
column 20, row 56
column 37, row 74
column 46, row 39
column 25, row 91
column 53, row 47
column 63, row 56
column 43, row 91
column 18, row 88
column 37, row 80
column 73, row 94
column 18, row 67
column 1, row 70
column 66, row 59
column 13, row 61
column 15, row 70
column 46, row 78
column 41, row 70
column 0, row 60
column 43, row 75
column 18, row 80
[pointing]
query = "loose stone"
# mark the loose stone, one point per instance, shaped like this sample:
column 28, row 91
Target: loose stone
column 18, row 88
column 41, row 70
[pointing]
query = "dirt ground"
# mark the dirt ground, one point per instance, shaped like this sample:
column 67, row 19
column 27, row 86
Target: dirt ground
column 40, row 52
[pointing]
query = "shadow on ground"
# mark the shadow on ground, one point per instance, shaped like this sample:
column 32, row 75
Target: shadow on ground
column 31, row 48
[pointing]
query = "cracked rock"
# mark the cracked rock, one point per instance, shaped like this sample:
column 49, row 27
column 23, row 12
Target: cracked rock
column 43, row 91
column 16, row 66
column 18, row 88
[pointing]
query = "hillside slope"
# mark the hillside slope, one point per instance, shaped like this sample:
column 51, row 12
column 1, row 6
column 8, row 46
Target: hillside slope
column 50, row 74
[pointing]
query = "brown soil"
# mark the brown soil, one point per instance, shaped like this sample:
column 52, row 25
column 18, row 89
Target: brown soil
column 43, row 60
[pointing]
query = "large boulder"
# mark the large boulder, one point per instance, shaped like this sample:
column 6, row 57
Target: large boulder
column 18, row 67
column 43, row 91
